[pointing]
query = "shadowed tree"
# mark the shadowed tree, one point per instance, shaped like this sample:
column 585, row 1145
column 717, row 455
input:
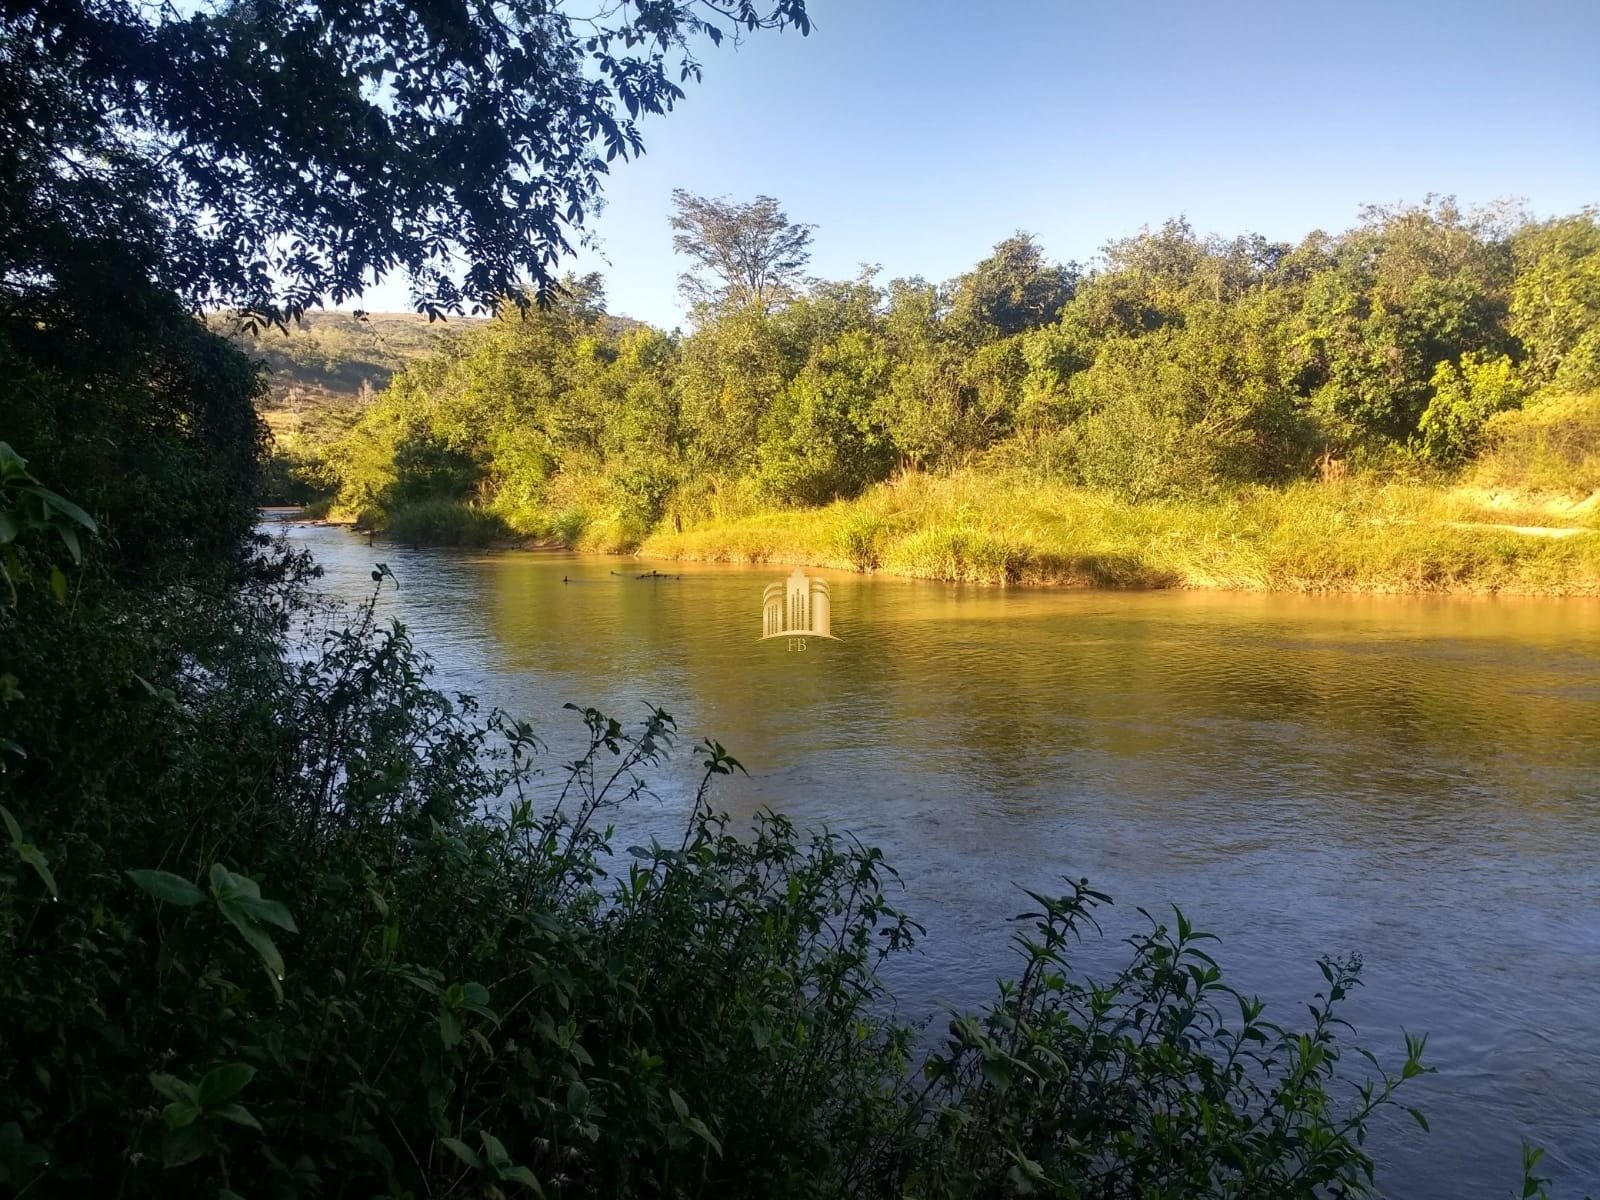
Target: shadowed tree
column 744, row 254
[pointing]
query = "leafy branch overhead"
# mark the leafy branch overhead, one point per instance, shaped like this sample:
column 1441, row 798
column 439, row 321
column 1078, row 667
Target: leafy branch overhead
column 281, row 153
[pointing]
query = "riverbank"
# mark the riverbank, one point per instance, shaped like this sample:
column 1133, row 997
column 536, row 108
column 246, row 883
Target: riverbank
column 1019, row 530
column 1016, row 530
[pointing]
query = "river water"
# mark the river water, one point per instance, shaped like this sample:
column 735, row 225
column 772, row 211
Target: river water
column 1415, row 779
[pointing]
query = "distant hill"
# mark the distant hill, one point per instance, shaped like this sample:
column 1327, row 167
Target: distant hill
column 334, row 360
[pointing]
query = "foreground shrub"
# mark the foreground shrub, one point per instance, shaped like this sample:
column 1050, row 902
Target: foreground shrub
column 1161, row 1082
column 299, row 924
column 348, row 953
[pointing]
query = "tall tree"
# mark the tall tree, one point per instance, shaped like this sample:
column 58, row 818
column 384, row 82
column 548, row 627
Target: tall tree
column 1015, row 289
column 279, row 153
column 744, row 255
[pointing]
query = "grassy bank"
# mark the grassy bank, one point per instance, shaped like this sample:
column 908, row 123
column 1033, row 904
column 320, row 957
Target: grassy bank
column 1523, row 518
column 1016, row 529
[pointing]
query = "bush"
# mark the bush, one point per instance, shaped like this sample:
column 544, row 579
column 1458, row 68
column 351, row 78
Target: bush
column 350, row 953
column 1552, row 444
column 444, row 523
column 1136, row 452
column 960, row 553
column 321, row 963
column 1464, row 399
column 1161, row 1082
column 860, row 540
column 569, row 524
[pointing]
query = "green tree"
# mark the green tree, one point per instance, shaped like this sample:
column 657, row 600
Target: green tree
column 733, row 370
column 1412, row 287
column 1013, row 290
column 743, row 255
column 920, row 406
column 823, row 439
column 1555, row 300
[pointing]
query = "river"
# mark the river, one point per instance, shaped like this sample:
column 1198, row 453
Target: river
column 1416, row 779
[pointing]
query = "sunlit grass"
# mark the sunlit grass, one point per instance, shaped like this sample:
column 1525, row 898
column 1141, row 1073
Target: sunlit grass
column 1018, row 529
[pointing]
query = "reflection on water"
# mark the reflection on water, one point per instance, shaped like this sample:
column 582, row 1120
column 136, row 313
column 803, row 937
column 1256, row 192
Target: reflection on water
column 1417, row 779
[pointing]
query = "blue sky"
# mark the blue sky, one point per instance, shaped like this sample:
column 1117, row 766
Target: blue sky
column 917, row 133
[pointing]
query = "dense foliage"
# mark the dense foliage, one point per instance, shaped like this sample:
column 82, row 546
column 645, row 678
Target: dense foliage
column 300, row 925
column 283, row 153
column 1180, row 365
column 279, row 918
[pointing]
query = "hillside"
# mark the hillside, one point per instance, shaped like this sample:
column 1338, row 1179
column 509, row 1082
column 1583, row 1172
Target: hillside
column 334, row 359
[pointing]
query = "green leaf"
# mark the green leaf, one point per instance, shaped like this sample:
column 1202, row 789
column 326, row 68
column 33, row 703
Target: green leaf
column 1416, row 1115
column 997, row 1071
column 180, row 1113
column 184, row 1145
column 238, row 1114
column 462, row 1151
column 494, row 1150
column 28, row 852
column 238, row 899
column 168, row 888
column 13, row 830
column 696, row 1125
column 226, row 885
column 271, row 911
column 174, row 1088
column 67, row 509
column 449, row 1029
column 256, row 937
column 58, row 585
column 34, row 857
column 223, row 1083
column 426, row 985
column 679, row 1105
column 577, row 1096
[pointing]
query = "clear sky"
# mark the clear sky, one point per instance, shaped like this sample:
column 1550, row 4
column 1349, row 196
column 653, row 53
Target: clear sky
column 917, row 133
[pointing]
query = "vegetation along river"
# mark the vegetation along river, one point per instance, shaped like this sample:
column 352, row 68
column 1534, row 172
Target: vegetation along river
column 1416, row 779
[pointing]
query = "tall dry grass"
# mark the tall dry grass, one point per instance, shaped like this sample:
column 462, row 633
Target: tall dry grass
column 1018, row 529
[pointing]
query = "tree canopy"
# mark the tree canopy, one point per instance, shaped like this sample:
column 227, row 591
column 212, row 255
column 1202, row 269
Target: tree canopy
column 748, row 254
column 1177, row 365
column 281, row 153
